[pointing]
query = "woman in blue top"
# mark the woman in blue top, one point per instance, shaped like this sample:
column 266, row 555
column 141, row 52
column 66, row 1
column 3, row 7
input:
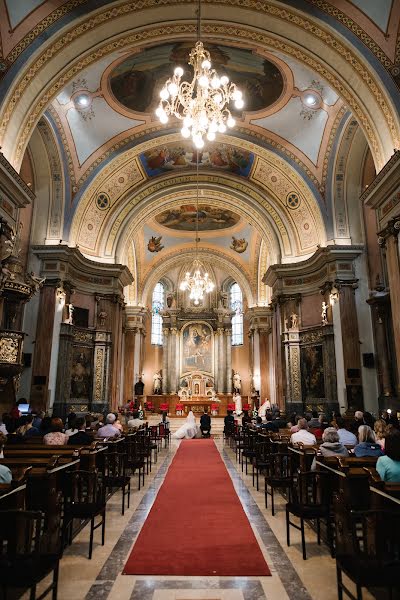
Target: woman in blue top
column 367, row 444
column 388, row 466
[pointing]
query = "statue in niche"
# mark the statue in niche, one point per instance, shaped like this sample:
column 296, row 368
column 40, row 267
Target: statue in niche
column 324, row 315
column 70, row 319
column 102, row 318
column 171, row 303
column 157, row 380
column 294, row 321
column 223, row 300
column 237, row 382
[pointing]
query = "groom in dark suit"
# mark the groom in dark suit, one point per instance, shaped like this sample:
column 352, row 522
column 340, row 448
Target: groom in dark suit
column 205, row 424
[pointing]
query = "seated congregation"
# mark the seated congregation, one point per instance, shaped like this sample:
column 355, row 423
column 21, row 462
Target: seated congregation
column 345, row 486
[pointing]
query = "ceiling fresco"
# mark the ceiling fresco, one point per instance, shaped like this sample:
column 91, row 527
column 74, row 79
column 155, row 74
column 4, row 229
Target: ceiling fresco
column 136, row 82
column 183, row 218
column 168, row 158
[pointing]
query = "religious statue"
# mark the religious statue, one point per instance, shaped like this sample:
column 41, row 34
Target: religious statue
column 294, row 320
column 7, row 238
column 35, row 281
column 16, row 251
column 237, row 382
column 5, row 274
column 324, row 313
column 139, row 387
column 157, row 379
column 70, row 319
column 102, row 318
column 223, row 300
column 171, row 300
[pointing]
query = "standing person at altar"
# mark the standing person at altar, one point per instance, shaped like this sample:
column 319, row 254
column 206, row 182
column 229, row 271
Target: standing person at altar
column 237, row 382
column 237, row 398
column 188, row 430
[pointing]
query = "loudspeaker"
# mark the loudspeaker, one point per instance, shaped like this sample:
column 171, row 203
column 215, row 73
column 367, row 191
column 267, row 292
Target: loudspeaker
column 39, row 380
column 27, row 359
column 353, row 373
column 368, row 360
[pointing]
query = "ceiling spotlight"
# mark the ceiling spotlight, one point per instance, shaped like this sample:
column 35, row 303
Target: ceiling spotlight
column 82, row 100
column 310, row 99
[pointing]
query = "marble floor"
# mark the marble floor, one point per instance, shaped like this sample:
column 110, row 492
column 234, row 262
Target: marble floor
column 292, row 578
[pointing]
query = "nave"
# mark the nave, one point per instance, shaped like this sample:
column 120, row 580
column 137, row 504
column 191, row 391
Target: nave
column 292, row 578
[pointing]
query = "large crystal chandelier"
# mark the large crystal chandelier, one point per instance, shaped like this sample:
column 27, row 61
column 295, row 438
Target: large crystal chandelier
column 202, row 104
column 197, row 281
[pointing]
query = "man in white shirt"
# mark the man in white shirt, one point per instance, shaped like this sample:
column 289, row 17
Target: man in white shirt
column 346, row 437
column 135, row 421
column 303, row 435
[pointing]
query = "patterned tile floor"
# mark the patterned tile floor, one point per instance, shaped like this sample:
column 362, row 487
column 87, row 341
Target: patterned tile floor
column 292, row 578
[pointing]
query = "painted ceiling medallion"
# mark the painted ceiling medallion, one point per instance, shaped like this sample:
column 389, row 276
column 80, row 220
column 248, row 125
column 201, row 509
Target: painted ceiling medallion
column 183, row 218
column 136, row 82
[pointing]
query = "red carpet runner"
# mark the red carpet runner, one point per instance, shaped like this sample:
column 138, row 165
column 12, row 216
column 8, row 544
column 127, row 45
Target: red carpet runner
column 197, row 525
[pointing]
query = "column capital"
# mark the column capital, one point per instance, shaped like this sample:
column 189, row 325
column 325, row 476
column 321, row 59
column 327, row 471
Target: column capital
column 392, row 229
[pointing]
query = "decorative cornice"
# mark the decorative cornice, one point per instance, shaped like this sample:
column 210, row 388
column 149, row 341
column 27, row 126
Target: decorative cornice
column 69, row 264
column 329, row 263
column 20, row 193
column 379, row 181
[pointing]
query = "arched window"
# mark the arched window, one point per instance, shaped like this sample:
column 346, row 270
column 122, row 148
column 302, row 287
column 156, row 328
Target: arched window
column 237, row 319
column 157, row 305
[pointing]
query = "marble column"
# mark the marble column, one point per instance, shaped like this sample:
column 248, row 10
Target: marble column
column 165, row 361
column 221, row 361
column 129, row 364
column 42, row 357
column 256, row 367
column 173, row 360
column 265, row 391
column 393, row 271
column 228, row 345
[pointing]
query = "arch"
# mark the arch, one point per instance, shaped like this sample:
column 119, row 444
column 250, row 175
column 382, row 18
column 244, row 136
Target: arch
column 182, row 258
column 366, row 89
column 289, row 233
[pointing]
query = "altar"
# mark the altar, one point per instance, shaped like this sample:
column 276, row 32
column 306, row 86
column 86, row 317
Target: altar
column 170, row 402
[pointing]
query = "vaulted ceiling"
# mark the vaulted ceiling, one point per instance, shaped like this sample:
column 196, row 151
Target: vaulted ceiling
column 80, row 81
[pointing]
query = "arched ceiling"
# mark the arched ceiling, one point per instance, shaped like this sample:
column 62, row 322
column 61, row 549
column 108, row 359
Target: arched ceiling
column 130, row 183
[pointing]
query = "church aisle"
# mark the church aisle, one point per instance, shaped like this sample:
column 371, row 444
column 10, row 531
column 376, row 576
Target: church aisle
column 101, row 578
column 198, row 511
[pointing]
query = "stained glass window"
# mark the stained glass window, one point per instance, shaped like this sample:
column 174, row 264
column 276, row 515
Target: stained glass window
column 237, row 319
column 157, row 305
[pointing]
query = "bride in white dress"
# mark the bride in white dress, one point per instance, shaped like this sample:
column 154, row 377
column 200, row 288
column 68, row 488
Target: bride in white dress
column 188, row 430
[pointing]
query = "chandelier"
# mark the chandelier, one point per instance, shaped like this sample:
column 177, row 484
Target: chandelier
column 198, row 281
column 203, row 103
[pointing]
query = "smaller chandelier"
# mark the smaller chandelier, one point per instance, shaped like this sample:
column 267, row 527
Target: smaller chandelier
column 199, row 283
column 202, row 104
